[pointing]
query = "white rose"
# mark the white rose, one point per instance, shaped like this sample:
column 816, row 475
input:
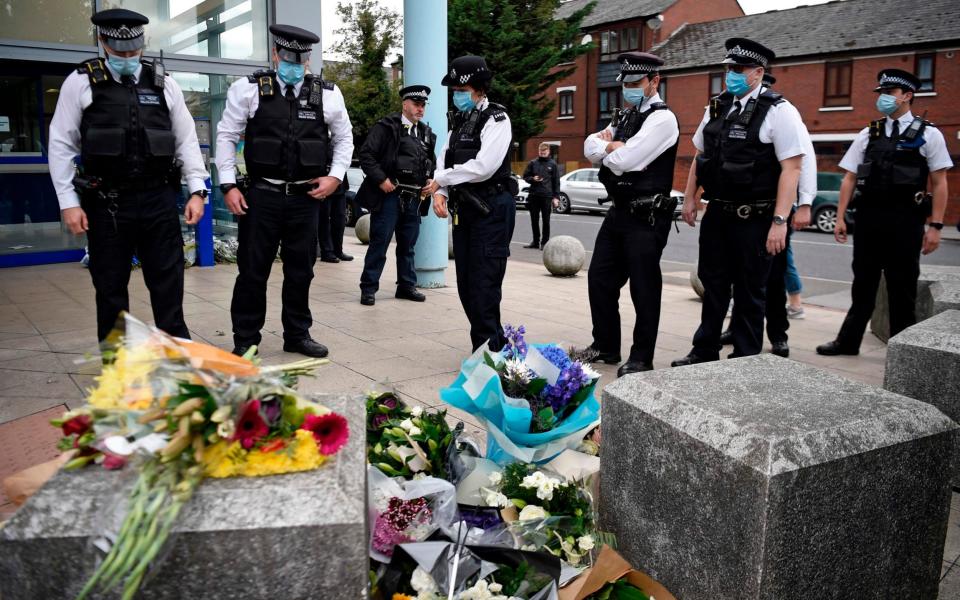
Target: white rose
column 496, row 477
column 585, row 542
column 416, row 411
column 531, row 512
column 421, row 581
column 495, row 588
column 407, row 425
column 496, row 499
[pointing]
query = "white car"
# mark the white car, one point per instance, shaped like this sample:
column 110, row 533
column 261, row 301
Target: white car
column 581, row 190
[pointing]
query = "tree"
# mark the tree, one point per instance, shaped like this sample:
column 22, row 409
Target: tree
column 523, row 44
column 369, row 33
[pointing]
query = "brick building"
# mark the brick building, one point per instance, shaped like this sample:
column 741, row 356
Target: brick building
column 828, row 56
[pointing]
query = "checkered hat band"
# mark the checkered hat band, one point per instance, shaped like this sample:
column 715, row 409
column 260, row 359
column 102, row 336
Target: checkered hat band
column 738, row 51
column 414, row 96
column 292, row 44
column 887, row 80
column 464, row 78
column 638, row 67
column 121, row 33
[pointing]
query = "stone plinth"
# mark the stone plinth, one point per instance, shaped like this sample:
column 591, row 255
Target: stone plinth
column 292, row 536
column 938, row 289
column 564, row 255
column 362, row 229
column 923, row 362
column 762, row 478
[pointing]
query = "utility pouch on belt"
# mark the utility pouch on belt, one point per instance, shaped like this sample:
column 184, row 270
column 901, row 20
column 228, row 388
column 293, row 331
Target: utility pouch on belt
column 467, row 198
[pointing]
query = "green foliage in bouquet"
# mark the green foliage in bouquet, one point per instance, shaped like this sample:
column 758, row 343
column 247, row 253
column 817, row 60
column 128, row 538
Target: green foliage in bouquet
column 567, row 499
column 404, row 441
column 618, row 590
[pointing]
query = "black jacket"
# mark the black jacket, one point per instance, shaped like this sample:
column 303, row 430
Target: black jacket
column 378, row 156
column 549, row 171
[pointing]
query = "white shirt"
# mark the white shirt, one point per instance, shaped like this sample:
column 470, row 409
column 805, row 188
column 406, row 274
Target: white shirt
column 807, row 189
column 76, row 96
column 243, row 99
column 659, row 132
column 782, row 127
column 495, row 140
column 934, row 148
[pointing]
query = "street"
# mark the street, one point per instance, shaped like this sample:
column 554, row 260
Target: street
column 824, row 264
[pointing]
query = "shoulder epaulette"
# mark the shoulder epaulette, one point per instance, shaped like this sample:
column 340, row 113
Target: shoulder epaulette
column 496, row 111
column 95, row 69
column 772, row 97
column 659, row 106
column 264, row 81
column 876, row 127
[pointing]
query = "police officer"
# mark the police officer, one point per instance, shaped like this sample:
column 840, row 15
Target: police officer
column 298, row 144
column 749, row 154
column 775, row 308
column 333, row 222
column 543, row 175
column 637, row 153
column 128, row 122
column 398, row 160
column 889, row 164
column 473, row 184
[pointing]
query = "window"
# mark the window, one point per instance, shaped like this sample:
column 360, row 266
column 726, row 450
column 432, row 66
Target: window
column 33, row 21
column 925, row 71
column 716, row 84
column 662, row 89
column 566, row 104
column 214, row 28
column 614, row 42
column 609, row 100
column 578, row 176
column 836, row 90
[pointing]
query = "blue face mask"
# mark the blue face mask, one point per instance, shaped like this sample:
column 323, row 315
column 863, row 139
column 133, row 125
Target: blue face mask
column 737, row 83
column 634, row 96
column 463, row 100
column 887, row 104
column 124, row 66
column 291, row 73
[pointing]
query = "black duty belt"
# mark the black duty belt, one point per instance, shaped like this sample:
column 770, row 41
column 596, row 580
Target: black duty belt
column 744, row 210
column 107, row 187
column 286, row 188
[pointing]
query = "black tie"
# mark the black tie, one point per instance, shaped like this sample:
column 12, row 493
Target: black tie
column 896, row 130
column 289, row 94
column 127, row 80
column 735, row 112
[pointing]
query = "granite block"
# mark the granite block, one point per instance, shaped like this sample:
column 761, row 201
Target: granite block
column 763, row 478
column 923, row 362
column 301, row 535
column 938, row 289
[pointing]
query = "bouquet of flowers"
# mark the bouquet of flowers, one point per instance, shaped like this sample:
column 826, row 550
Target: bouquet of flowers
column 186, row 411
column 410, row 442
column 534, row 400
column 612, row 578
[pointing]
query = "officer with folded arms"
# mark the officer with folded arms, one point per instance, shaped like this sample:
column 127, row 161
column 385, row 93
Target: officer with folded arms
column 889, row 164
column 750, row 147
column 128, row 122
column 473, row 184
column 297, row 147
column 398, row 161
column 637, row 153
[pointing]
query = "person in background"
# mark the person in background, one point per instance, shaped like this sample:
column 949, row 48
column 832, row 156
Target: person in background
column 333, row 221
column 543, row 175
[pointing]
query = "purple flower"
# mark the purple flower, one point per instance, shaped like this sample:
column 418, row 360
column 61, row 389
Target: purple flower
column 388, row 401
column 379, row 420
column 516, row 346
column 270, row 410
column 571, row 380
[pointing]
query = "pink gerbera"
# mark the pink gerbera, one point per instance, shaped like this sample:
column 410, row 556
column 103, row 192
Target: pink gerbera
column 250, row 426
column 330, row 430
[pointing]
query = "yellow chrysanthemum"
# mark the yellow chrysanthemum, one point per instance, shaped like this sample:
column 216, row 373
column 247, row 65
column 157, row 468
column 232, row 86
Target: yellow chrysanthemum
column 399, row 596
column 125, row 384
column 229, row 459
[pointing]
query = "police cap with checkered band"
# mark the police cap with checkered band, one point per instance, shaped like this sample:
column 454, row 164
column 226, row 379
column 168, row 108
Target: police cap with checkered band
column 293, row 44
column 741, row 51
column 467, row 70
column 897, row 78
column 121, row 29
column 634, row 66
column 417, row 93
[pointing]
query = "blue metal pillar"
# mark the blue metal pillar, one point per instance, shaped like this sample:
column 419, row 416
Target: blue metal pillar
column 204, row 231
column 425, row 62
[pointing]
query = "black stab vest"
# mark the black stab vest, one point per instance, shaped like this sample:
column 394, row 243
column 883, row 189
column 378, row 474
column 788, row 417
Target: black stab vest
column 287, row 139
column 657, row 178
column 735, row 165
column 891, row 169
column 414, row 163
column 465, row 141
column 126, row 133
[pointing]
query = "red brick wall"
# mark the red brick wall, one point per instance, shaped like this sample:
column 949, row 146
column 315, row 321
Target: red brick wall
column 803, row 85
column 695, row 11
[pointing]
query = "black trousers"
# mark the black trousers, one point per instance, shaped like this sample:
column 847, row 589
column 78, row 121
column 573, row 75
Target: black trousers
column 627, row 247
column 540, row 205
column 481, row 246
column 147, row 224
column 888, row 239
column 732, row 254
column 332, row 221
column 404, row 219
column 274, row 221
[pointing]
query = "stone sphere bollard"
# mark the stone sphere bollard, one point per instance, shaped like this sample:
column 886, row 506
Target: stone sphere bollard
column 695, row 282
column 564, row 256
column 362, row 229
column 450, row 241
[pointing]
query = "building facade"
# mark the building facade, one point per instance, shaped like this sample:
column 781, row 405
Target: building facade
column 207, row 44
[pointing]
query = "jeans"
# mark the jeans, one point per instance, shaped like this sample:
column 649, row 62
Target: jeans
column 792, row 278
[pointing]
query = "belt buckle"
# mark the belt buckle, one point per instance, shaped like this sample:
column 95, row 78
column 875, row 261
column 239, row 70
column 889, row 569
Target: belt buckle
column 918, row 197
column 286, row 188
column 744, row 210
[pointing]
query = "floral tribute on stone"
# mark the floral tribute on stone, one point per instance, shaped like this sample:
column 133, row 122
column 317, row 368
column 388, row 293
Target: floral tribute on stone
column 178, row 411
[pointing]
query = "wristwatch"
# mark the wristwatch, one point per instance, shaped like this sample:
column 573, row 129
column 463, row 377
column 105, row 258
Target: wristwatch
column 226, row 187
column 936, row 225
column 202, row 192
column 779, row 220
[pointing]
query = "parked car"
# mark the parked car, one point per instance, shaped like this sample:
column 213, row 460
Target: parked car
column 521, row 197
column 825, row 204
column 354, row 211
